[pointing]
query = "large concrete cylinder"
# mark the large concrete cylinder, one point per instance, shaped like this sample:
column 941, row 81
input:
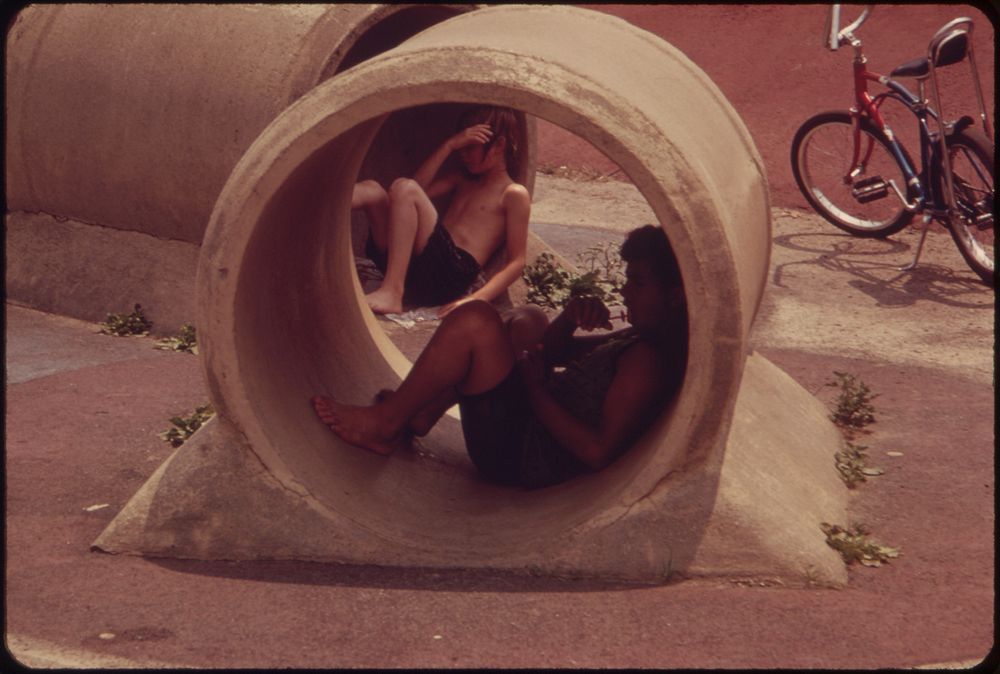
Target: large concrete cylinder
column 734, row 478
column 124, row 122
column 282, row 318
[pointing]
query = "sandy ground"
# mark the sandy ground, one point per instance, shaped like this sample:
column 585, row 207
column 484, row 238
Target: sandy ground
column 939, row 315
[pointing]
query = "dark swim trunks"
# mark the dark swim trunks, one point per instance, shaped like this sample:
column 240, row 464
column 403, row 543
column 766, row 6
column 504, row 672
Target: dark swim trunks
column 507, row 444
column 441, row 273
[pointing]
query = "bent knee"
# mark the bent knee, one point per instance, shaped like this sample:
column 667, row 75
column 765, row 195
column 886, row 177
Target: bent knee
column 526, row 325
column 405, row 188
column 475, row 315
column 529, row 314
column 368, row 192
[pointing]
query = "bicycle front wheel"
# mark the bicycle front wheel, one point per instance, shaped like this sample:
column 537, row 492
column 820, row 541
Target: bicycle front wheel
column 852, row 192
column 971, row 155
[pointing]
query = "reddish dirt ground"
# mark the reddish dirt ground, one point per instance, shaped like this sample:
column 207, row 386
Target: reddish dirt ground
column 769, row 62
column 84, row 411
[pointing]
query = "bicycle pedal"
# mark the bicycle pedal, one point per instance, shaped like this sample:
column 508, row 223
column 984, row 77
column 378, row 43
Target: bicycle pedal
column 870, row 189
column 984, row 221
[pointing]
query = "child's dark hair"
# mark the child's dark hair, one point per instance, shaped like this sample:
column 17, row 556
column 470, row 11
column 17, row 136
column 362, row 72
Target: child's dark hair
column 504, row 123
column 649, row 243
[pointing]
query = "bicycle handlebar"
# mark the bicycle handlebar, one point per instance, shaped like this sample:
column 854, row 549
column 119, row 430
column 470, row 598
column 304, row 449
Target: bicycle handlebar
column 835, row 36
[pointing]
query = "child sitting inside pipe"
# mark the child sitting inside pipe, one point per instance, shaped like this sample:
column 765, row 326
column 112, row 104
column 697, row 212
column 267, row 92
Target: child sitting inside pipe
column 434, row 262
column 524, row 422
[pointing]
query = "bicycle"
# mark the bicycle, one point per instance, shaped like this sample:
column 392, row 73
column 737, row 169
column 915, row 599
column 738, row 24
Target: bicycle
column 854, row 172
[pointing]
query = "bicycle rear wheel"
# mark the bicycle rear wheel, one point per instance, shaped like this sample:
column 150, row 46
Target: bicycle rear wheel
column 971, row 155
column 863, row 204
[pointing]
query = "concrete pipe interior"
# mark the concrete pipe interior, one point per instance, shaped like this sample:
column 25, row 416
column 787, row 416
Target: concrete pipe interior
column 280, row 312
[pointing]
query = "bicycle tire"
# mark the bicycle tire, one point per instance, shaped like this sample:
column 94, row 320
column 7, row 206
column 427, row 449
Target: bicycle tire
column 821, row 156
column 971, row 156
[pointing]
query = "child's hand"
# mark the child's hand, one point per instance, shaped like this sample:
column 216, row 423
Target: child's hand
column 476, row 134
column 588, row 313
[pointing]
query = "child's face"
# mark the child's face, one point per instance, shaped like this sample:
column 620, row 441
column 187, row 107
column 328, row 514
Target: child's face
column 650, row 305
column 478, row 160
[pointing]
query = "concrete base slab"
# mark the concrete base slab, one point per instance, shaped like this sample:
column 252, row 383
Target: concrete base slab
column 100, row 271
column 757, row 515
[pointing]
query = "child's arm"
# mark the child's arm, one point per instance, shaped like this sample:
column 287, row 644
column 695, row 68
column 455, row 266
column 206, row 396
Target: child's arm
column 631, row 399
column 478, row 133
column 560, row 346
column 517, row 208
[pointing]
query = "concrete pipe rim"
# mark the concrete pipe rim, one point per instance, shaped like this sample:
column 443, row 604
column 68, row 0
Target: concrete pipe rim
column 338, row 116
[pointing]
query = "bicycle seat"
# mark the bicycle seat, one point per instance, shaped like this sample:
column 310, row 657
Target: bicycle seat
column 947, row 49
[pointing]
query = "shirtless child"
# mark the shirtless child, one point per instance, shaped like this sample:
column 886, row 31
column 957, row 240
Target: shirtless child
column 433, row 262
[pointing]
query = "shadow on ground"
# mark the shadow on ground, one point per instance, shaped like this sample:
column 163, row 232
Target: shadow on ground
column 395, row 578
column 873, row 267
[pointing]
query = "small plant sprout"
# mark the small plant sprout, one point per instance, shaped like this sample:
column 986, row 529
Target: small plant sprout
column 549, row 285
column 123, row 325
column 185, row 341
column 854, row 545
column 854, row 402
column 851, row 464
column 184, row 427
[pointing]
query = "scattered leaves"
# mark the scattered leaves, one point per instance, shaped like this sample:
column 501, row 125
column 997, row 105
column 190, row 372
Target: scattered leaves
column 185, row 341
column 184, row 427
column 854, row 408
column 854, row 545
column 122, row 325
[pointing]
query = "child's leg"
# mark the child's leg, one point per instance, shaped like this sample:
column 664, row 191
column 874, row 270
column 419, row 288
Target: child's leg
column 470, row 353
column 525, row 327
column 371, row 196
column 412, row 217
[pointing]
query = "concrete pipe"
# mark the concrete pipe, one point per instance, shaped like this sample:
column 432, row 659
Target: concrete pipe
column 282, row 318
column 124, row 122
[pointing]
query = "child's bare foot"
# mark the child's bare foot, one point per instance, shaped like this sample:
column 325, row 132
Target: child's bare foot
column 359, row 426
column 384, row 301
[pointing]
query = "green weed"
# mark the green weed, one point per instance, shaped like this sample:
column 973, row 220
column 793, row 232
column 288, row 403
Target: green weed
column 122, row 325
column 852, row 465
column 186, row 341
column 184, row 427
column 854, row 402
column 854, row 545
column 549, row 285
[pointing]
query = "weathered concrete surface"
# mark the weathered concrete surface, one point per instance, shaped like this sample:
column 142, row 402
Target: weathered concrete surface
column 66, row 267
column 131, row 117
column 281, row 319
